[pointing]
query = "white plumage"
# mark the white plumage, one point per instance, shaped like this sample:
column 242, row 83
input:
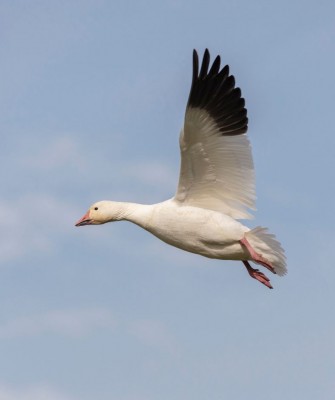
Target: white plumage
column 216, row 184
column 217, row 172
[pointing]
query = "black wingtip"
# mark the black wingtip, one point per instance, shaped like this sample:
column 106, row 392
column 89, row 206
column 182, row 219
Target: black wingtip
column 204, row 65
column 214, row 90
column 195, row 66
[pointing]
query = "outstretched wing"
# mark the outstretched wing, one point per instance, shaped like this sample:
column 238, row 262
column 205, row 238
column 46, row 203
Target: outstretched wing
column 217, row 170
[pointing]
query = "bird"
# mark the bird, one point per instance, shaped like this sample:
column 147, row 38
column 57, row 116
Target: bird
column 216, row 186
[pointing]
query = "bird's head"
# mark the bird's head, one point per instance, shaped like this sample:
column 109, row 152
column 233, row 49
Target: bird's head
column 99, row 213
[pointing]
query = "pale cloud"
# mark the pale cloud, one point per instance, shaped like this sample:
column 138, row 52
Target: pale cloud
column 71, row 323
column 83, row 164
column 60, row 151
column 39, row 222
column 153, row 333
column 32, row 392
column 80, row 322
column 153, row 173
column 29, row 223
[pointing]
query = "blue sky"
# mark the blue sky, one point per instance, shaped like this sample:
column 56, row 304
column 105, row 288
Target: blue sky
column 92, row 97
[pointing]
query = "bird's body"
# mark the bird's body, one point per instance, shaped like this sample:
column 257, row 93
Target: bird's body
column 206, row 232
column 209, row 233
column 216, row 183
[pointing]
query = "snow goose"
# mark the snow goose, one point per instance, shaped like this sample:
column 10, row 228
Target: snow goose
column 216, row 183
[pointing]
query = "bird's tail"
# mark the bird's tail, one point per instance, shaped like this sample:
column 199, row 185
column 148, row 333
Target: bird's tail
column 268, row 246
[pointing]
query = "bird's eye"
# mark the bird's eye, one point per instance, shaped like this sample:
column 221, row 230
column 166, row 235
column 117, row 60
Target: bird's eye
column 96, row 208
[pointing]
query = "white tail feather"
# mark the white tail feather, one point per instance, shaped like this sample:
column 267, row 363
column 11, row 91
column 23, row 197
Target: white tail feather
column 268, row 246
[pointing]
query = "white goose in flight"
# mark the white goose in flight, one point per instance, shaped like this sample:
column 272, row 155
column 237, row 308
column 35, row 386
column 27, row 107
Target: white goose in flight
column 216, row 182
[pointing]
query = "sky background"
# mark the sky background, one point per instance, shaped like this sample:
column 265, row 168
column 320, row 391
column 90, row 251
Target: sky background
column 92, row 99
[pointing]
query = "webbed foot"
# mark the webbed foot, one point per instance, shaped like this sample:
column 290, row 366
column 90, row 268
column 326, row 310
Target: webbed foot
column 256, row 274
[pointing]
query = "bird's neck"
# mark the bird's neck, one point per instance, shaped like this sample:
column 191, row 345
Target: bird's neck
column 139, row 214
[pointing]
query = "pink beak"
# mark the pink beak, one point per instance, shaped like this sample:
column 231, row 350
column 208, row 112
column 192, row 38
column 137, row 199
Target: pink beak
column 85, row 220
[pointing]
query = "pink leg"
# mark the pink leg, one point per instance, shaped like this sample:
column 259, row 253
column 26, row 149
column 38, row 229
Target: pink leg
column 256, row 257
column 256, row 274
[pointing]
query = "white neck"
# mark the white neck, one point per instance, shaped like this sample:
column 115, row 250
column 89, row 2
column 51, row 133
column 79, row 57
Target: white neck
column 139, row 214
